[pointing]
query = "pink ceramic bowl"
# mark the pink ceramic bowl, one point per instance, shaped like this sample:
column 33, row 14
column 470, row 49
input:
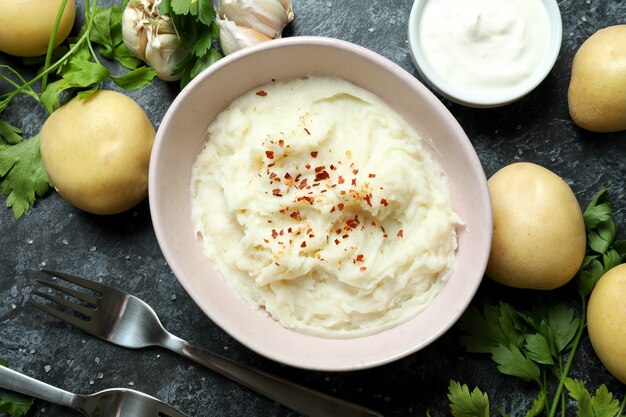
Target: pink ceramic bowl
column 182, row 135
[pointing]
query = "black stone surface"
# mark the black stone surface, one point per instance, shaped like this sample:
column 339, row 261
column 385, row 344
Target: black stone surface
column 122, row 250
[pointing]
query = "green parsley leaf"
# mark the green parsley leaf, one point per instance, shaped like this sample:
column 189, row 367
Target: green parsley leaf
column 598, row 210
column 9, row 134
column 537, row 349
column 602, row 404
column 79, row 72
column 15, row 405
column 23, row 175
column 466, row 404
column 498, row 326
column 538, row 405
column 564, row 323
column 511, row 361
column 136, row 78
column 107, row 34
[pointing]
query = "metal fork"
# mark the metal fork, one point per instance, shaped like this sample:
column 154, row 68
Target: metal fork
column 117, row 402
column 127, row 321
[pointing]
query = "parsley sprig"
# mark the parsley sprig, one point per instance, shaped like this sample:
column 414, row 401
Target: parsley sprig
column 197, row 32
column 539, row 346
column 78, row 71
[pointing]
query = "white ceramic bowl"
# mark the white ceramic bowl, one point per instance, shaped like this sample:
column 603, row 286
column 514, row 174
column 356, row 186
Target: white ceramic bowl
column 182, row 135
column 467, row 98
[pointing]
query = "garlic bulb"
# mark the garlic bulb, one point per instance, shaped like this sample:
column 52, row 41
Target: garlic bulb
column 151, row 37
column 246, row 22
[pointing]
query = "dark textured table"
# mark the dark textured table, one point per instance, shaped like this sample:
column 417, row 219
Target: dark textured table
column 122, row 250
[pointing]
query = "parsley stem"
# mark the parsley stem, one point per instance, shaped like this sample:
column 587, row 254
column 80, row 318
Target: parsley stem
column 31, row 92
column 570, row 359
column 55, row 29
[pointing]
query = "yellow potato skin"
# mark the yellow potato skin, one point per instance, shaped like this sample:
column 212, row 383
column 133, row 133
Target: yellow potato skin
column 606, row 321
column 26, row 25
column 539, row 237
column 97, row 152
column 597, row 89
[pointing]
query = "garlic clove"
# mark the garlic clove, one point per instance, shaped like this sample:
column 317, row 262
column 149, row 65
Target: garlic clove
column 133, row 34
column 268, row 17
column 234, row 38
column 163, row 53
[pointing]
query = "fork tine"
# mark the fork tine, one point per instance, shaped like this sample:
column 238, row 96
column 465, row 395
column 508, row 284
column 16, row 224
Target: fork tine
column 69, row 318
column 76, row 294
column 85, row 311
column 82, row 282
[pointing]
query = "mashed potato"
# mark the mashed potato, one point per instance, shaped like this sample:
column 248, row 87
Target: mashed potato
column 321, row 205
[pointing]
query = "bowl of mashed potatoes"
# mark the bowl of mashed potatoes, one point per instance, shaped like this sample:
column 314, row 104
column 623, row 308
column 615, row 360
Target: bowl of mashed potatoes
column 319, row 204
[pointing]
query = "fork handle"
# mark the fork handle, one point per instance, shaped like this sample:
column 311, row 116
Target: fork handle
column 304, row 400
column 15, row 381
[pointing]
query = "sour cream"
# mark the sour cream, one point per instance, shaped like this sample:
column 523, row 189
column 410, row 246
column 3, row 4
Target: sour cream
column 320, row 205
column 484, row 46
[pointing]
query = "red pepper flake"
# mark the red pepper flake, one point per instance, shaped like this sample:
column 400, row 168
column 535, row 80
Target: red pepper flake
column 385, row 235
column 302, row 184
column 324, row 175
column 362, row 269
column 287, row 176
column 400, row 234
column 311, row 236
column 354, row 182
column 295, row 215
column 337, row 241
column 360, row 258
column 276, row 192
column 266, row 241
column 352, row 223
column 276, row 263
column 308, row 166
column 340, row 180
column 306, row 198
column 332, row 210
column 282, row 232
column 332, row 167
column 271, row 165
column 274, row 234
column 269, row 154
column 272, row 175
column 355, row 171
column 261, row 93
column 384, row 202
column 303, row 244
column 345, row 236
column 323, row 191
column 314, row 154
column 368, row 200
column 342, row 192
column 281, row 143
column 383, row 229
column 289, row 230
column 372, row 175
column 307, row 131
column 340, row 206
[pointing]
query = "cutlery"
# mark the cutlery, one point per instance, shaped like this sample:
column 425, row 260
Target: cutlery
column 127, row 321
column 116, row 402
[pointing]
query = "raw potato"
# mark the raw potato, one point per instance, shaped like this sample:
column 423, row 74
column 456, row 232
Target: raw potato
column 606, row 321
column 26, row 25
column 597, row 90
column 539, row 234
column 97, row 151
